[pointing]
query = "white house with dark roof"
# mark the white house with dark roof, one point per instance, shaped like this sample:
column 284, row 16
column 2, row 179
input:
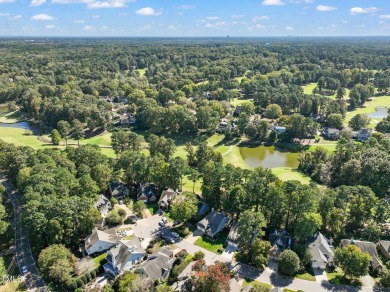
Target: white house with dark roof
column 103, row 205
column 213, row 223
column 124, row 256
column 158, row 265
column 100, row 241
column 321, row 250
column 279, row 242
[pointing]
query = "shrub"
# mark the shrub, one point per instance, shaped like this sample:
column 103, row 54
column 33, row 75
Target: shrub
column 113, row 201
column 122, row 212
column 182, row 254
column 199, row 255
column 79, row 282
column 84, row 279
column 89, row 277
column 93, row 274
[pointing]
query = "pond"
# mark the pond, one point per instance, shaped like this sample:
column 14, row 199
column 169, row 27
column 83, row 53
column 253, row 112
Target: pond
column 380, row 113
column 19, row 125
column 268, row 157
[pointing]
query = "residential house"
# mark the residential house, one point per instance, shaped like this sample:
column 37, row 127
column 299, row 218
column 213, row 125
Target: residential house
column 106, row 98
column 237, row 111
column 213, row 223
column 118, row 190
column 127, row 119
column 166, row 199
column 321, row 250
column 367, row 247
column 146, row 193
column 203, row 208
column 384, row 247
column 363, row 134
column 279, row 242
column 103, row 205
column 124, row 257
column 279, row 129
column 158, row 265
column 232, row 238
column 100, row 241
column 331, row 133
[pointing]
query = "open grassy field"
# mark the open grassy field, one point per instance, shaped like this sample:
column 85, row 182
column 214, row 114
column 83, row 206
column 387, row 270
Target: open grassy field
column 308, row 88
column 11, row 117
column 288, row 173
column 370, row 107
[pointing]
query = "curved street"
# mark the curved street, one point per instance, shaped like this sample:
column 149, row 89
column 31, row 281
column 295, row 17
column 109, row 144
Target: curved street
column 32, row 278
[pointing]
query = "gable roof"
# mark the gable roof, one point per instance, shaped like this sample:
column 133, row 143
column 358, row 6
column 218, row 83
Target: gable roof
column 203, row 208
column 214, row 221
column 108, row 235
column 320, row 248
column 157, row 266
column 367, row 247
column 386, row 245
column 280, row 242
column 125, row 250
column 167, row 196
column 146, row 191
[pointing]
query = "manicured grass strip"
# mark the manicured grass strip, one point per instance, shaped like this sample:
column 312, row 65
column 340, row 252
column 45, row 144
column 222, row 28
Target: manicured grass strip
column 254, row 283
column 337, row 277
column 213, row 245
column 97, row 259
column 288, row 173
column 307, row 275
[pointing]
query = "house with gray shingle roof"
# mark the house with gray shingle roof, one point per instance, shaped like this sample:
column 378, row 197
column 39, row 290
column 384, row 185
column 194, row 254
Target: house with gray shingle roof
column 384, row 247
column 321, row 250
column 100, row 241
column 367, row 247
column 213, row 223
column 166, row 199
column 124, row 256
column 279, row 242
column 158, row 265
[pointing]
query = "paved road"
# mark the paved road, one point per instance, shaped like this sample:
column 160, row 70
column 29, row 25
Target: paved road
column 32, row 279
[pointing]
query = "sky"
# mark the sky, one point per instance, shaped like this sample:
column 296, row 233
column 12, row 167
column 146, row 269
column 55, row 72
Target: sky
column 187, row 18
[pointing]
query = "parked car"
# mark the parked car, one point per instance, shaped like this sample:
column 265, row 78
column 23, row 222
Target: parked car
column 165, row 220
column 175, row 234
column 24, row 270
column 161, row 223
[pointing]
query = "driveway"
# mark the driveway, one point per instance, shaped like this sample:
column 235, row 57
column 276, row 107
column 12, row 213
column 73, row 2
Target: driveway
column 229, row 251
column 146, row 228
column 320, row 276
column 125, row 208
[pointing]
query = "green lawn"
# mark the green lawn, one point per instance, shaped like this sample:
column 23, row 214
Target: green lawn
column 308, row 275
column 152, row 207
column 337, row 277
column 236, row 101
column 288, row 173
column 14, row 286
column 250, row 282
column 370, row 107
column 97, row 259
column 288, row 290
column 215, row 244
column 308, row 88
column 12, row 117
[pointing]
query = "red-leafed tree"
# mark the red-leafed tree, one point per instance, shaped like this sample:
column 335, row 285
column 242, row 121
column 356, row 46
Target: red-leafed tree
column 211, row 278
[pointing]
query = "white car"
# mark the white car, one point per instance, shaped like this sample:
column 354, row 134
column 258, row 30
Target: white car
column 24, row 270
column 175, row 234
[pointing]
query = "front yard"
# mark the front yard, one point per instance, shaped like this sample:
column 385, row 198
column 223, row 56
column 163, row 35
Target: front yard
column 254, row 283
column 337, row 277
column 214, row 245
column 307, row 275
